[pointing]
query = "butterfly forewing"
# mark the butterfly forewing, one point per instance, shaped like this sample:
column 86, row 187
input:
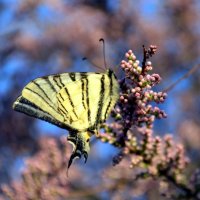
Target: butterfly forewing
column 42, row 92
column 25, row 106
column 42, row 96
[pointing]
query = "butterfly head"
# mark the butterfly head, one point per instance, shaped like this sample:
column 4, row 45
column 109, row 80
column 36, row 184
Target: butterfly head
column 81, row 146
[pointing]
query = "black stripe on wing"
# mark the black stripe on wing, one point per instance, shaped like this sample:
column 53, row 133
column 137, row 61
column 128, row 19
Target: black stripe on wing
column 55, row 79
column 42, row 98
column 25, row 106
column 71, row 102
column 50, row 84
column 85, row 77
column 101, row 101
column 41, row 89
column 72, row 75
column 110, row 73
column 60, row 80
column 83, row 96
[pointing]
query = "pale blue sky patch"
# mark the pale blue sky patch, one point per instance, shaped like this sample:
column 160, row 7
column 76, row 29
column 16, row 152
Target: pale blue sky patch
column 18, row 167
column 172, row 105
column 48, row 14
column 113, row 5
column 10, row 68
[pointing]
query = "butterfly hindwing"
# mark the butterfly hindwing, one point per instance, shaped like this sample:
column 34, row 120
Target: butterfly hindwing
column 111, row 97
column 83, row 100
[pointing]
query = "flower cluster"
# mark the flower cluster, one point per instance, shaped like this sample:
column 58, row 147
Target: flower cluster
column 132, row 127
column 156, row 158
column 45, row 174
column 135, row 108
column 137, row 94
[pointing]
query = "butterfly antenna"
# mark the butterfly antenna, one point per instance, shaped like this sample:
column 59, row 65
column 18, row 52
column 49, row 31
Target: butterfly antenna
column 117, row 67
column 85, row 58
column 104, row 51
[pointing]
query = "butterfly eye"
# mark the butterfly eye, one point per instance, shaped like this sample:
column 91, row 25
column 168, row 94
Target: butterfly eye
column 88, row 140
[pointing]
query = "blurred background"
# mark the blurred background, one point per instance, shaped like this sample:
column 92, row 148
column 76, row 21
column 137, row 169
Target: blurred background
column 52, row 36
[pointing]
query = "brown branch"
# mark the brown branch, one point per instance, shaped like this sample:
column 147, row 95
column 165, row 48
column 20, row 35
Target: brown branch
column 144, row 59
column 190, row 72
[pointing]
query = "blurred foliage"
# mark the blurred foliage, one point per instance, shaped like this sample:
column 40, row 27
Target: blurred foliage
column 48, row 36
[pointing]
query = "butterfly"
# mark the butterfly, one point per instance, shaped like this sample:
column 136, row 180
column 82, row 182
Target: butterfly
column 78, row 101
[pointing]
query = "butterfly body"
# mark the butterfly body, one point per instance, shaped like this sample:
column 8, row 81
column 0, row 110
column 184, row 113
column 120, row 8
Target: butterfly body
column 78, row 102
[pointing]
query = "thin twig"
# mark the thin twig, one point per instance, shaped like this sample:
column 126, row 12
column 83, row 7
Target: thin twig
column 190, row 72
column 144, row 59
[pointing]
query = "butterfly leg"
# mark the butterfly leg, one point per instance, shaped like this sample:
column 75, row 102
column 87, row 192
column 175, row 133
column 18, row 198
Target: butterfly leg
column 80, row 143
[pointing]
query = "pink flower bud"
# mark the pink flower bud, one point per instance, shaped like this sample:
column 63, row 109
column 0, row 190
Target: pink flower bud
column 140, row 77
column 130, row 51
column 123, row 66
column 130, row 62
column 127, row 55
column 137, row 94
column 137, row 89
column 148, row 87
column 121, row 98
column 149, row 63
column 133, row 57
column 133, row 90
column 125, row 100
column 137, row 62
column 123, row 62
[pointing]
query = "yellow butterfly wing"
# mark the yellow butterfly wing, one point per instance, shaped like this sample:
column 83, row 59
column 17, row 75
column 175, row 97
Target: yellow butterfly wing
column 78, row 100
column 89, row 100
